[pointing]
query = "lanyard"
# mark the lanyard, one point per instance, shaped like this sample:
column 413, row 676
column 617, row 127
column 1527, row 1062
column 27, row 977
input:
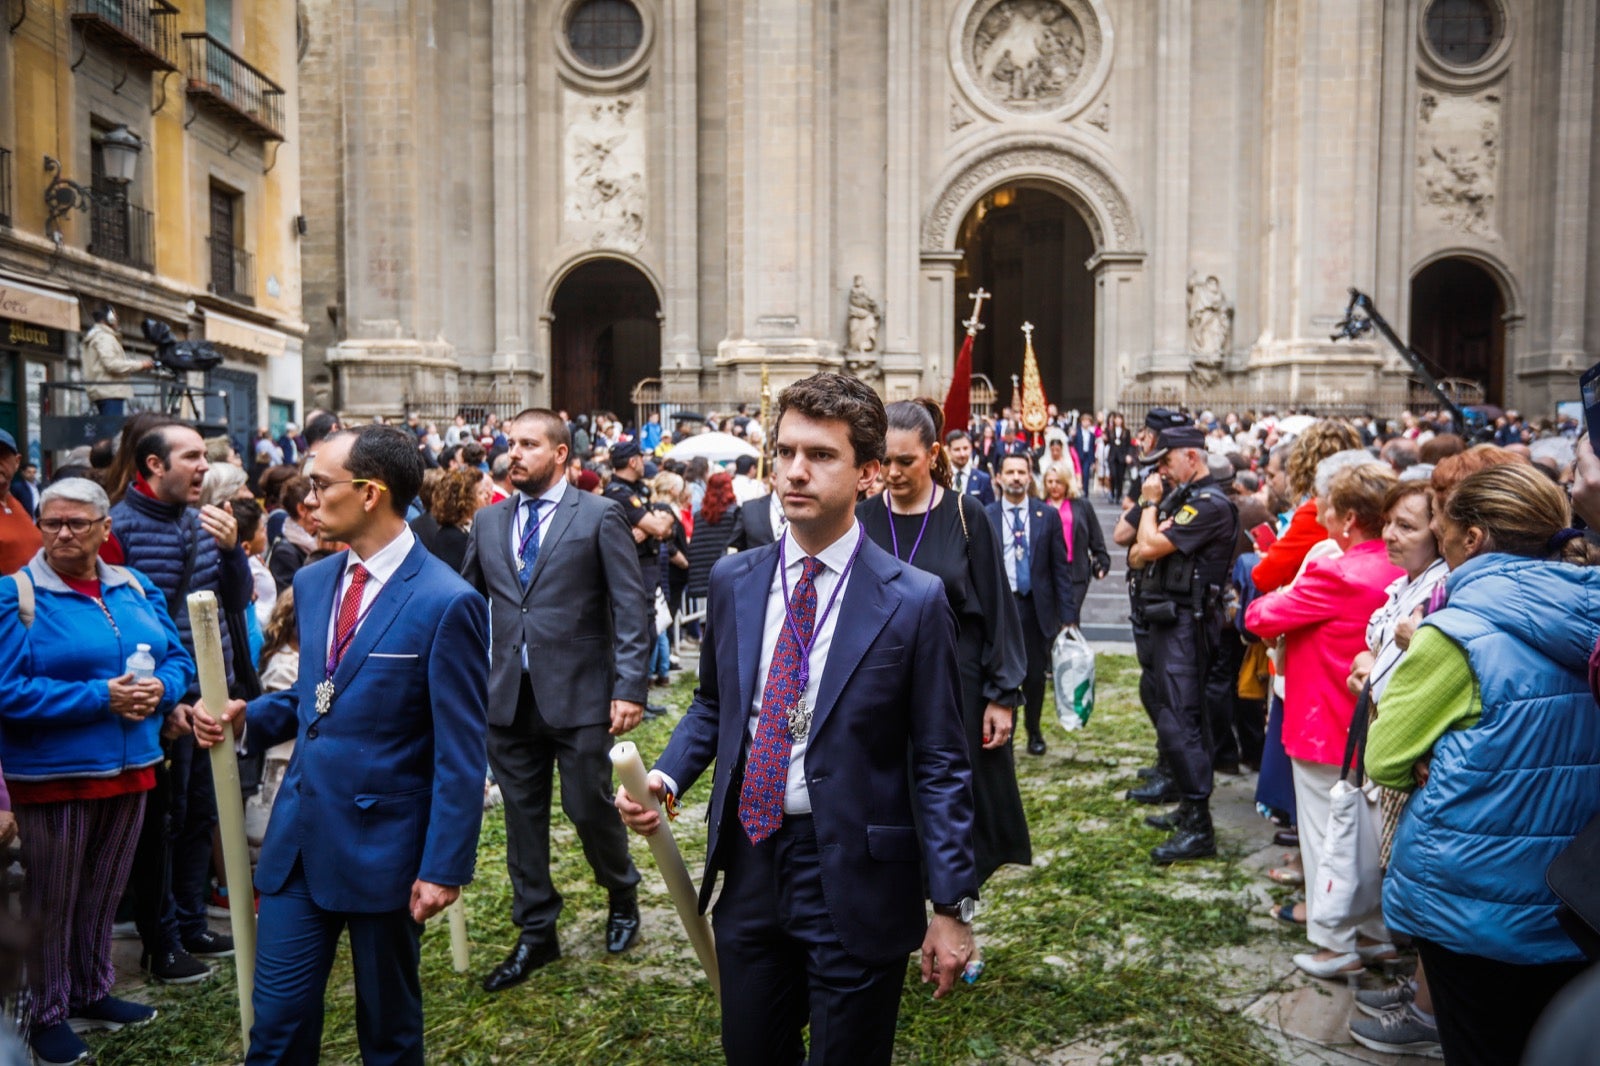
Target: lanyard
column 336, row 652
column 788, row 614
column 894, row 537
column 531, row 529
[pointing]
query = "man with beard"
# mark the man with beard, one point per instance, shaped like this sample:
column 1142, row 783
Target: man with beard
column 568, row 673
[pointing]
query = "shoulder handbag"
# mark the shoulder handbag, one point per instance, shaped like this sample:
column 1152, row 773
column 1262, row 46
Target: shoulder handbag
column 1349, row 880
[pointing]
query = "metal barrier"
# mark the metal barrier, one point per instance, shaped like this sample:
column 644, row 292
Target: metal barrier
column 69, row 418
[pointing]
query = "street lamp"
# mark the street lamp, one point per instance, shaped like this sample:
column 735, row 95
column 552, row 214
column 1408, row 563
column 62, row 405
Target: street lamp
column 119, row 148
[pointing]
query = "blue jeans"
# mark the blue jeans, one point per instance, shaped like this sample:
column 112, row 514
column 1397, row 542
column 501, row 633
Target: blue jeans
column 111, row 408
column 661, row 660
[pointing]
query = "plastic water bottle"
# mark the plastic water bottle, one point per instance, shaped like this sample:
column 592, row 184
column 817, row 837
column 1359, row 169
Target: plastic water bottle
column 141, row 664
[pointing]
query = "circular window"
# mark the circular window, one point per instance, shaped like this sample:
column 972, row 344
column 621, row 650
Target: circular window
column 605, row 34
column 1462, row 32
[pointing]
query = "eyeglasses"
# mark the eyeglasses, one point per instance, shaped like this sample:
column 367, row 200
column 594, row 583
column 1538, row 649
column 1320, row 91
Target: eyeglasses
column 319, row 486
column 52, row 527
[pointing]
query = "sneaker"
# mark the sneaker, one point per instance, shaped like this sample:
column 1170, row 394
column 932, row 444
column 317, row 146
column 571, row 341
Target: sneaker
column 57, row 1045
column 1376, row 1002
column 111, row 1014
column 209, row 945
column 124, row 931
column 1398, row 1032
column 175, row 968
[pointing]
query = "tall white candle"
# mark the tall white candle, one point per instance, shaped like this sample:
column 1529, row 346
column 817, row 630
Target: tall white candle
column 230, row 803
column 630, row 771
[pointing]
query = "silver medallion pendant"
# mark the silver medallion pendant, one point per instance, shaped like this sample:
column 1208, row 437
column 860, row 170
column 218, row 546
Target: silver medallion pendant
column 799, row 719
column 324, row 697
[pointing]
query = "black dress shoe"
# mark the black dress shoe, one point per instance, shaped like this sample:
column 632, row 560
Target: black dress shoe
column 520, row 964
column 1192, row 838
column 1036, row 745
column 622, row 925
column 654, row 710
column 1155, row 790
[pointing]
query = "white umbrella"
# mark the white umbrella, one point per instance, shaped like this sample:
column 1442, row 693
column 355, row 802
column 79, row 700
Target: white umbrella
column 714, row 447
column 1295, row 425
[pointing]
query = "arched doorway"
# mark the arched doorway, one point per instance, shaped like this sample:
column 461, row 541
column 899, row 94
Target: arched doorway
column 1458, row 323
column 1029, row 247
column 605, row 336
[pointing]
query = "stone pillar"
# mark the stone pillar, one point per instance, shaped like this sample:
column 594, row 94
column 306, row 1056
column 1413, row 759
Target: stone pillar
column 929, row 373
column 1174, row 80
column 512, row 297
column 1323, row 95
column 780, row 156
column 898, row 338
column 680, row 333
column 1120, row 330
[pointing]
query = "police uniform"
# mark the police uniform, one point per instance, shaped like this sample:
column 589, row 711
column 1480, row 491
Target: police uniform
column 1181, row 606
column 634, row 499
column 1160, row 788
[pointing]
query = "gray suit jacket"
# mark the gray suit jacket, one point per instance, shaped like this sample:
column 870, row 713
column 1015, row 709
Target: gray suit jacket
column 582, row 616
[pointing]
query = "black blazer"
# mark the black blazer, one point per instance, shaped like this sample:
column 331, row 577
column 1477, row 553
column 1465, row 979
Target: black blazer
column 752, row 525
column 1089, row 555
column 1054, row 605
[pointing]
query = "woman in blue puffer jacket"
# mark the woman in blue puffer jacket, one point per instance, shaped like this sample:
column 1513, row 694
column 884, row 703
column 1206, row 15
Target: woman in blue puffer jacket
column 1490, row 717
column 79, row 742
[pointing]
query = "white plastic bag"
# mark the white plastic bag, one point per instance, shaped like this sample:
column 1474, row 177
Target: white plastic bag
column 1072, row 661
column 663, row 613
column 1349, row 882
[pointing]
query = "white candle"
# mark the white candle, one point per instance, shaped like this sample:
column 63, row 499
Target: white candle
column 458, row 934
column 230, row 803
column 630, row 770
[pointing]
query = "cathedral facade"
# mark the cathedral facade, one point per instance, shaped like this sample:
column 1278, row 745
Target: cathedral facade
column 593, row 203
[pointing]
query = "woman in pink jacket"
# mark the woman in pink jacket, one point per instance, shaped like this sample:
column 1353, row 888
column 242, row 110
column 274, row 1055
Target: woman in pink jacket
column 1323, row 617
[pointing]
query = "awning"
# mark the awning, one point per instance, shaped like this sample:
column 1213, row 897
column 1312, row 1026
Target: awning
column 245, row 336
column 40, row 306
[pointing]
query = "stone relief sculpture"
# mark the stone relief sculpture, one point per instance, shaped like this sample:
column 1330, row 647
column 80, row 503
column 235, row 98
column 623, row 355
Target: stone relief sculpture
column 1210, row 327
column 865, row 317
column 1101, row 119
column 605, row 185
column 1028, row 52
column 1458, row 140
column 959, row 116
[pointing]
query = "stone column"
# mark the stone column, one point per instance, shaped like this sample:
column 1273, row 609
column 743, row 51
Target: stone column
column 929, row 373
column 1120, row 330
column 680, row 334
column 1174, row 81
column 780, row 145
column 512, row 298
column 898, row 338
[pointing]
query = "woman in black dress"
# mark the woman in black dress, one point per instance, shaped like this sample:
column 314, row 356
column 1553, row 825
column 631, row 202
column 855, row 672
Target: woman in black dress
column 949, row 536
column 1119, row 457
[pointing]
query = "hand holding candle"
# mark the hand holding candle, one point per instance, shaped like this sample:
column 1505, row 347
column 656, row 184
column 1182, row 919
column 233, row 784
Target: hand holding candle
column 636, row 787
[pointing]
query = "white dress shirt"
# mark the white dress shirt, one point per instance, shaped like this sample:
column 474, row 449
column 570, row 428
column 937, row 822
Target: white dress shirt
column 519, row 522
column 1008, row 536
column 380, row 568
column 780, row 521
column 834, row 558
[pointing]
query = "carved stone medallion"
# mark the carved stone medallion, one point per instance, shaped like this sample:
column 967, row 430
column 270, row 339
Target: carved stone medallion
column 1031, row 57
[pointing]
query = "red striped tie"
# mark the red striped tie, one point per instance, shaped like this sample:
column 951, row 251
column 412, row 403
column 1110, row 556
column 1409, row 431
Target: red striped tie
column 349, row 611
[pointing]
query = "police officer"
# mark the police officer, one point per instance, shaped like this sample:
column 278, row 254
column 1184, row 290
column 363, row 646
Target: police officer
column 1186, row 544
column 1158, row 786
column 649, row 526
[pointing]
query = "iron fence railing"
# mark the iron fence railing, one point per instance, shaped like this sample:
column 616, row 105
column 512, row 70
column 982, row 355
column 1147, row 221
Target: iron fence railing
column 220, row 78
column 232, row 270
column 145, row 27
column 122, row 233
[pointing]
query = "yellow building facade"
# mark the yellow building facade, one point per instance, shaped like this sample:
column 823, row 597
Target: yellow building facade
column 149, row 163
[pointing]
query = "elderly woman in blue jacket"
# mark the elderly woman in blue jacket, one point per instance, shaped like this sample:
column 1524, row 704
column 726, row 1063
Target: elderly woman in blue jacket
column 79, row 742
column 1490, row 717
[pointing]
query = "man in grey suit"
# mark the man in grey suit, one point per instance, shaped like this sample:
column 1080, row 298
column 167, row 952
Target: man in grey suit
column 568, row 672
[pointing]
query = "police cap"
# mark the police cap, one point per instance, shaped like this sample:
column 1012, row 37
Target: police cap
column 1175, row 437
column 1159, row 418
column 622, row 451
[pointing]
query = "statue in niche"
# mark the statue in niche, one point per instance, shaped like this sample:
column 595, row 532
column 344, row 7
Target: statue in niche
column 1210, row 327
column 1028, row 52
column 865, row 317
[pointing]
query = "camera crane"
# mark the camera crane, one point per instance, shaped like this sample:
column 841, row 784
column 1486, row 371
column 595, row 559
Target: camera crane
column 174, row 360
column 1361, row 317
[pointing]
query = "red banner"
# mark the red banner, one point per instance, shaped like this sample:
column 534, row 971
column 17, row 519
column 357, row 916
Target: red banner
column 958, row 404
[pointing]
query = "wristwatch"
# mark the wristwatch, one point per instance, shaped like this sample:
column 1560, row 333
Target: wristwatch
column 962, row 910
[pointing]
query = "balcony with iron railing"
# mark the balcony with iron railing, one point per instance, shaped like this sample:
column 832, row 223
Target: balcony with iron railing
column 122, row 233
column 145, row 31
column 232, row 270
column 5, row 186
column 231, row 89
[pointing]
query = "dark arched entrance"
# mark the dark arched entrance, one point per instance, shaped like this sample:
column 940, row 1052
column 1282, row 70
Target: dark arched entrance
column 1028, row 247
column 1458, row 324
column 605, row 337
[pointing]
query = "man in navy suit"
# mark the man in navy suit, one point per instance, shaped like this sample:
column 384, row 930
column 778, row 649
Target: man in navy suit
column 965, row 477
column 829, row 702
column 1040, row 579
column 375, row 828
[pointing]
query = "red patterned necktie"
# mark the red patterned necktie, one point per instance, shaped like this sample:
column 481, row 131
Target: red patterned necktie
column 766, row 772
column 349, row 612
